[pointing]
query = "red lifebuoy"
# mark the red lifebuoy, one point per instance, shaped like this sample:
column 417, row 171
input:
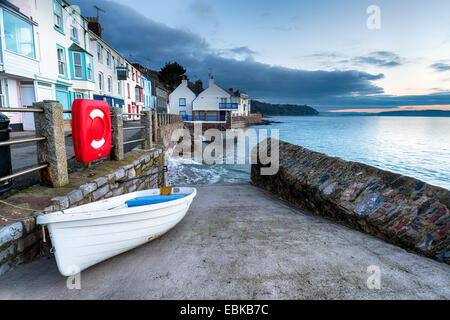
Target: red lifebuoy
column 91, row 129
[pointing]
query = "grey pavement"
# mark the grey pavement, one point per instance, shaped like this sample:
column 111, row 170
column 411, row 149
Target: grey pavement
column 238, row 242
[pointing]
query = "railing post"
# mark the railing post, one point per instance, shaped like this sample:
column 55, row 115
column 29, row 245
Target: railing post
column 116, row 134
column 147, row 133
column 50, row 124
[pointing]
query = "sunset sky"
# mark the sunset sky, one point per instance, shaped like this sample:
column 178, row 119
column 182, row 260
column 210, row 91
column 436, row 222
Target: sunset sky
column 319, row 53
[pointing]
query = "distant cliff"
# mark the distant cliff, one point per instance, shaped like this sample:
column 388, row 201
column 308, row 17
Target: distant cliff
column 268, row 109
column 416, row 113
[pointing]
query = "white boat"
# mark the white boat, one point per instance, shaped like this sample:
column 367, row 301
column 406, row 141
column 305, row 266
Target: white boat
column 88, row 234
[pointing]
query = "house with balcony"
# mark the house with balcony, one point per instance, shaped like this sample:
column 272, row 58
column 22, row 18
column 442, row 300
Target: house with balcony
column 180, row 100
column 214, row 104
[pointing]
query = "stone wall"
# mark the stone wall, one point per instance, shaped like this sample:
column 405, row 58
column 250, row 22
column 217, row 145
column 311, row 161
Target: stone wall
column 107, row 186
column 399, row 209
column 20, row 242
column 245, row 121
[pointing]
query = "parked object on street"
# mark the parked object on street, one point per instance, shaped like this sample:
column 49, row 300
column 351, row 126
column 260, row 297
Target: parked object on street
column 91, row 126
column 5, row 154
column 91, row 233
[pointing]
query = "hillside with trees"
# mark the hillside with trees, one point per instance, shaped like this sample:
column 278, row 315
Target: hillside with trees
column 268, row 109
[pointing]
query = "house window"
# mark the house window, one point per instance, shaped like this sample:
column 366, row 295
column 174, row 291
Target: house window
column 78, row 95
column 109, row 84
column 223, row 100
column 77, row 65
column 136, row 91
column 2, row 95
column 99, row 52
column 129, row 94
column 61, row 61
column 73, row 28
column 182, row 102
column 100, row 81
column 89, row 68
column 57, row 15
column 133, row 75
column 108, row 58
column 19, row 37
column 119, row 88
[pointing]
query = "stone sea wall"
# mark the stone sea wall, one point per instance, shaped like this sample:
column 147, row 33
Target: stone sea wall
column 20, row 242
column 245, row 121
column 399, row 209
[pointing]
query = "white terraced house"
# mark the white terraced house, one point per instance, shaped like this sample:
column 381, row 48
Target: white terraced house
column 109, row 82
column 43, row 56
column 180, row 100
column 212, row 104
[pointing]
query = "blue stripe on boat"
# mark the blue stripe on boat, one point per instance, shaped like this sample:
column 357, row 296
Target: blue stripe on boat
column 144, row 201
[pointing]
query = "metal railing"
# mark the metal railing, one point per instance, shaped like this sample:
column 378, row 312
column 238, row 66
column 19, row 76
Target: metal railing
column 228, row 106
column 221, row 118
column 161, row 120
column 20, row 141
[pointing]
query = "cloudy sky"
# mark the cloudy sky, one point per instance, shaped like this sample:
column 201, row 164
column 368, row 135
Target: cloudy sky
column 319, row 53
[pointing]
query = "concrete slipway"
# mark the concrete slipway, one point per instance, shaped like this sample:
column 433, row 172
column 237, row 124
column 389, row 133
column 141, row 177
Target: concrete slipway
column 238, row 242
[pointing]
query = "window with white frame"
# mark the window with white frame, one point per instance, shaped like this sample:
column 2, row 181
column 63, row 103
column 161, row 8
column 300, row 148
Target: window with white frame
column 89, row 67
column 119, row 88
column 57, row 15
column 74, row 28
column 2, row 95
column 77, row 65
column 61, row 61
column 18, row 35
column 109, row 84
column 182, row 102
column 108, row 58
column 137, row 94
column 78, row 95
column 100, row 81
column 99, row 52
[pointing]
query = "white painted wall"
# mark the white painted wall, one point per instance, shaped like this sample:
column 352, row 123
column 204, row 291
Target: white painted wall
column 116, row 60
column 210, row 98
column 182, row 91
column 130, row 100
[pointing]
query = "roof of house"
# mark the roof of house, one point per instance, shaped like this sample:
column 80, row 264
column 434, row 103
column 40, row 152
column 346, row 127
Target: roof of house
column 75, row 47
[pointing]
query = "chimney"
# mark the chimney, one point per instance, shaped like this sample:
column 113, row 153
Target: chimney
column 94, row 26
column 211, row 81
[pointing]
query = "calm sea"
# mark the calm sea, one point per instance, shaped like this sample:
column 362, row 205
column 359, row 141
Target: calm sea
column 413, row 146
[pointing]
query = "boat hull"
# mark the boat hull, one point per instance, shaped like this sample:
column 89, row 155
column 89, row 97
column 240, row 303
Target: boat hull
column 82, row 239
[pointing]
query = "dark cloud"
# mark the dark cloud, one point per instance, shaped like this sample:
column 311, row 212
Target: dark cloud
column 203, row 9
column 440, row 66
column 243, row 50
column 380, row 58
column 153, row 44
